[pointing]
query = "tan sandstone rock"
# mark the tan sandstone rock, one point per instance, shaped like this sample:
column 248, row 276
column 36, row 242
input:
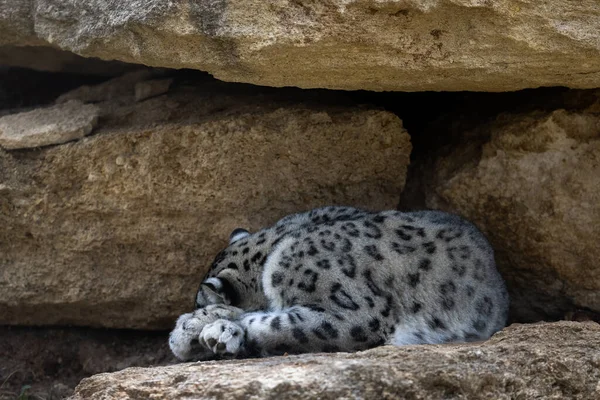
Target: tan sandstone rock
column 117, row 229
column 45, row 126
column 407, row 45
column 549, row 361
column 533, row 187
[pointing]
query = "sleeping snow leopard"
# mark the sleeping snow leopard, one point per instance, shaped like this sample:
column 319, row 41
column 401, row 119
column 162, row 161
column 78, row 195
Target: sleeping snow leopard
column 343, row 279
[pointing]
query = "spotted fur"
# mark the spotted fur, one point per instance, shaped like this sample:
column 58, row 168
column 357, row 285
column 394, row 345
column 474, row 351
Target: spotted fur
column 344, row 279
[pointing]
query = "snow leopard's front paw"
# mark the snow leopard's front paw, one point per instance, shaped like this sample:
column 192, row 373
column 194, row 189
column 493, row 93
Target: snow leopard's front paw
column 223, row 337
column 185, row 340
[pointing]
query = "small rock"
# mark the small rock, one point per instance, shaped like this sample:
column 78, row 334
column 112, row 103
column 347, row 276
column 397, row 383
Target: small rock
column 53, row 125
column 119, row 87
column 155, row 87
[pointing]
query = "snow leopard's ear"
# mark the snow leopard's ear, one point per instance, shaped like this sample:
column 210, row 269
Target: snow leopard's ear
column 238, row 234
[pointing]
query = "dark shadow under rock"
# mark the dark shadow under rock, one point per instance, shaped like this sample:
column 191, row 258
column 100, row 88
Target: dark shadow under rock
column 53, row 360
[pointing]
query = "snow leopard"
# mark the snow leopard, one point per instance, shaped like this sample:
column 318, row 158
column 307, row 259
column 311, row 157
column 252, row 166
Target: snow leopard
column 342, row 279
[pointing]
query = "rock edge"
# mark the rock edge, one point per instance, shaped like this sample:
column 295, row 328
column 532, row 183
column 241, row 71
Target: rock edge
column 558, row 360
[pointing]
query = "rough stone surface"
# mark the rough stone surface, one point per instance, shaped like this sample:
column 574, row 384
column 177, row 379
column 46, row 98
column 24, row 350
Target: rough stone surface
column 550, row 361
column 378, row 45
column 45, row 126
column 533, row 186
column 54, row 60
column 117, row 229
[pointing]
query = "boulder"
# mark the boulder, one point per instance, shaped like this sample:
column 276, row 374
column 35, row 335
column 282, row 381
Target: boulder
column 118, row 228
column 412, row 45
column 531, row 182
column 559, row 360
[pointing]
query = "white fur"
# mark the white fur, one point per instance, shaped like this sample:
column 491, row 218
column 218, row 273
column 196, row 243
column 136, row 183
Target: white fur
column 238, row 236
column 190, row 326
column 271, row 265
column 216, row 282
column 227, row 335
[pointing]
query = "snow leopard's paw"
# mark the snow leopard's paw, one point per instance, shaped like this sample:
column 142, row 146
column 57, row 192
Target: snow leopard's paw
column 223, row 337
column 185, row 340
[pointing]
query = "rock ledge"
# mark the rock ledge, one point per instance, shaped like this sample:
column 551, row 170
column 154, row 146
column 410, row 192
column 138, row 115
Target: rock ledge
column 559, row 360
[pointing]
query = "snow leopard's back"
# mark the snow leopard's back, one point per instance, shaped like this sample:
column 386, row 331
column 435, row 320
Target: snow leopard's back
column 427, row 276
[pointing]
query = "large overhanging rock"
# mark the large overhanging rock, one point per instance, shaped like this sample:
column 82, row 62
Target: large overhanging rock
column 560, row 360
column 377, row 45
column 533, row 186
column 118, row 228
